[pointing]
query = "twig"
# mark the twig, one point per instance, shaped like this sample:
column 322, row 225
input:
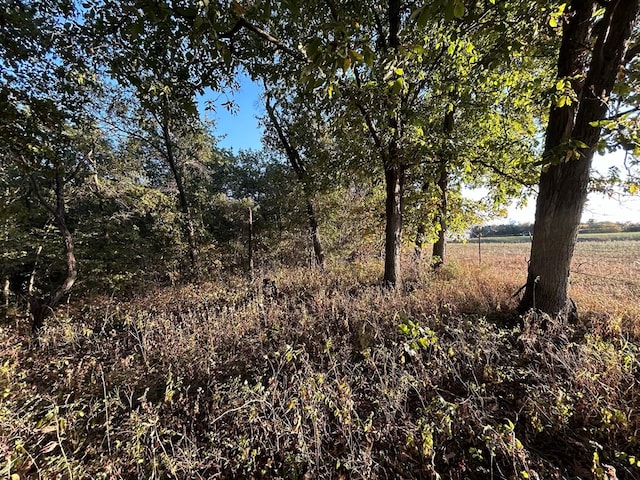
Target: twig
column 231, row 410
column 106, row 410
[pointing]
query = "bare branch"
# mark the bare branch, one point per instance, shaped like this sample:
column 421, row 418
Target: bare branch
column 622, row 114
column 244, row 23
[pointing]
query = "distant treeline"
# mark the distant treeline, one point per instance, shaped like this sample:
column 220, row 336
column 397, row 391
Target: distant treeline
column 525, row 229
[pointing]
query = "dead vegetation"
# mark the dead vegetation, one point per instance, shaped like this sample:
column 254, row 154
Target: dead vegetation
column 327, row 377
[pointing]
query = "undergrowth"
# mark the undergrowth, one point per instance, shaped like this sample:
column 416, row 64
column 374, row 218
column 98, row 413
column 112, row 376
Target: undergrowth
column 324, row 376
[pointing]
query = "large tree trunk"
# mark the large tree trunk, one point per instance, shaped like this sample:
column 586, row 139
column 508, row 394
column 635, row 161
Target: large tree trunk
column 185, row 208
column 439, row 248
column 394, row 176
column 564, row 181
column 41, row 309
column 394, row 172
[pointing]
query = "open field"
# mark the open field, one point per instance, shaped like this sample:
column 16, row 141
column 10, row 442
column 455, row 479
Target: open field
column 329, row 376
column 605, row 275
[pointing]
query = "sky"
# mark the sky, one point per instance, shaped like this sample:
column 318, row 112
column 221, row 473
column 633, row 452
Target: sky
column 239, row 129
column 599, row 207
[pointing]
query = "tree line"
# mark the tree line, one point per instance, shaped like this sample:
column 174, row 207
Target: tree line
column 377, row 114
column 526, row 229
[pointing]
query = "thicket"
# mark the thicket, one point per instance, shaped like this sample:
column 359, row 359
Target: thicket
column 176, row 310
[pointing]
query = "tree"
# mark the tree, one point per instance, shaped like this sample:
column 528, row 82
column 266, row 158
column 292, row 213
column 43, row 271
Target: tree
column 593, row 54
column 298, row 165
column 170, row 59
column 381, row 69
column 47, row 134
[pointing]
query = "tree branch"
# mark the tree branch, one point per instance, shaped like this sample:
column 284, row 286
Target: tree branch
column 501, row 173
column 292, row 154
column 41, row 199
column 622, row 114
column 244, row 23
column 367, row 118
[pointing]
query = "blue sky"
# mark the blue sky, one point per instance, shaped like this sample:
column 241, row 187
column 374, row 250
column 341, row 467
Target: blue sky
column 238, row 129
column 599, row 207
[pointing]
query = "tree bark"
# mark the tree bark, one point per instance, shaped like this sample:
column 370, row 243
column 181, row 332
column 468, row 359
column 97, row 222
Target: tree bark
column 564, row 181
column 394, row 176
column 41, row 309
column 318, row 251
column 439, row 248
column 183, row 200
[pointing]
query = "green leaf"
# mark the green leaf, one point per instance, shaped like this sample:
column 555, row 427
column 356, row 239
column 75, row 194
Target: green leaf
column 136, row 28
column 356, row 56
column 346, row 63
column 226, row 56
column 423, row 18
column 555, row 16
column 448, row 11
column 458, row 9
column 369, row 57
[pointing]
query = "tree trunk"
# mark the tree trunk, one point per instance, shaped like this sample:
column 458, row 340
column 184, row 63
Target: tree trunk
column 439, row 248
column 183, row 200
column 41, row 309
column 298, row 167
column 315, row 235
column 394, row 171
column 32, row 276
column 250, row 243
column 419, row 241
column 394, row 176
column 564, row 181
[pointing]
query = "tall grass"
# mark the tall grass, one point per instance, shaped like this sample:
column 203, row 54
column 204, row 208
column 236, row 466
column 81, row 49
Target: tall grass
column 327, row 376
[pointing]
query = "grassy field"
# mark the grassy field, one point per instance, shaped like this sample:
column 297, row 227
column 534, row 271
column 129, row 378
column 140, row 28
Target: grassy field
column 605, row 275
column 332, row 377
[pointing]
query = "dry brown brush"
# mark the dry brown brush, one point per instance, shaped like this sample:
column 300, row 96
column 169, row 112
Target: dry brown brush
column 327, row 377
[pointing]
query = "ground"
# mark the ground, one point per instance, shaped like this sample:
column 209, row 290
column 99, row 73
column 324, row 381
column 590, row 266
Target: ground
column 329, row 376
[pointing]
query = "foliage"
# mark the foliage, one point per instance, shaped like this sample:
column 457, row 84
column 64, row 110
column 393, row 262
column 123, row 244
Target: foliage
column 393, row 109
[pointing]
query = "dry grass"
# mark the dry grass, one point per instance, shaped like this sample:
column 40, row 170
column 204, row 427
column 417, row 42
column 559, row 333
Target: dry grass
column 329, row 377
column 605, row 277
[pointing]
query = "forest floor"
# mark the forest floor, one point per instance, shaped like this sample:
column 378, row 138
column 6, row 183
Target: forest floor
column 325, row 375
